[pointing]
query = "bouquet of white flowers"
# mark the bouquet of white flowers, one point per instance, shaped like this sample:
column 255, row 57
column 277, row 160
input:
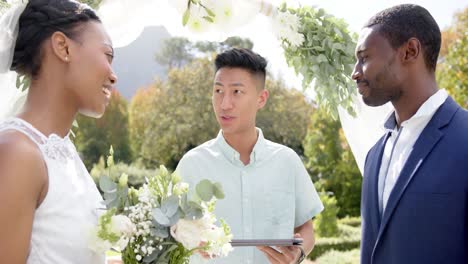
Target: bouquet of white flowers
column 158, row 223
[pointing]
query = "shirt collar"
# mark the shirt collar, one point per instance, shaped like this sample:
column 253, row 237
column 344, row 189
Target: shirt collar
column 425, row 111
column 233, row 156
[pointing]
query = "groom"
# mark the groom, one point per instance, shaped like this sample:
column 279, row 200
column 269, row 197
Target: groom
column 415, row 189
column 268, row 191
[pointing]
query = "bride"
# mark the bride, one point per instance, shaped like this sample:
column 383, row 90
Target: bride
column 48, row 200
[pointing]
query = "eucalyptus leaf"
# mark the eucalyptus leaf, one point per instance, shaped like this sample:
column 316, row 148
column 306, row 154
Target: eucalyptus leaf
column 205, row 190
column 160, row 217
column 193, row 213
column 170, row 205
column 110, row 195
column 218, row 190
column 174, row 218
column 106, row 184
column 159, row 231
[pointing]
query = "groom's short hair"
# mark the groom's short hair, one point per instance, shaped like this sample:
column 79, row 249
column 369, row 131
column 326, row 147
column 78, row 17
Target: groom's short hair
column 244, row 59
column 400, row 23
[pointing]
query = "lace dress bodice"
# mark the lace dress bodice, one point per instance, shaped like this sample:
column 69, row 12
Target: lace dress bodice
column 71, row 207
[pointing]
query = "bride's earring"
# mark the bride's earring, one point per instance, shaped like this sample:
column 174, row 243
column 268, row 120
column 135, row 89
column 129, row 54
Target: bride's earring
column 66, row 58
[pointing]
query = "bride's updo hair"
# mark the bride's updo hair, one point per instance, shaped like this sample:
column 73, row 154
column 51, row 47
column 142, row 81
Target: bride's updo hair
column 39, row 20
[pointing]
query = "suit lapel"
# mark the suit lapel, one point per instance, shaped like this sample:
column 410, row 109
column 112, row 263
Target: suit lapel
column 372, row 175
column 423, row 146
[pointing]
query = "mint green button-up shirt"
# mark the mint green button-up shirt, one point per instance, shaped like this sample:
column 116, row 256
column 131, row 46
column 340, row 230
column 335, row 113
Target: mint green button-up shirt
column 265, row 199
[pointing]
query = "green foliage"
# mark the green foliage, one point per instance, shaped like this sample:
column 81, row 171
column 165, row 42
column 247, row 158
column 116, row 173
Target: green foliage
column 142, row 103
column 350, row 221
column 181, row 255
column 325, row 59
column 175, row 52
column 348, row 239
column 236, row 42
column 330, row 160
column 326, row 224
column 104, row 226
column 94, row 136
column 206, row 190
column 210, row 15
column 3, row 7
column 180, row 117
column 340, row 257
column 285, row 117
column 136, row 173
column 452, row 71
column 179, row 51
column 92, row 3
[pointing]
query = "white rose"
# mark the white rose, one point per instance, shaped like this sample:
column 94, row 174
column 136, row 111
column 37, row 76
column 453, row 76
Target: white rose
column 122, row 225
column 190, row 233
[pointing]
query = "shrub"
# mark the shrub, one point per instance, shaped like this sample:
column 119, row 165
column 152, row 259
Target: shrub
column 350, row 221
column 339, row 257
column 349, row 238
column 326, row 223
column 136, row 173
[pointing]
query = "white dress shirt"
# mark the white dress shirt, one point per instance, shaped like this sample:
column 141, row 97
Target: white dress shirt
column 401, row 143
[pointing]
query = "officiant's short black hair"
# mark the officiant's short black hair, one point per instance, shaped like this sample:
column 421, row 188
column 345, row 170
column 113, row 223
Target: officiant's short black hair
column 400, row 23
column 244, row 59
column 39, row 20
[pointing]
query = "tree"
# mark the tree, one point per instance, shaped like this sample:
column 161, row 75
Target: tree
column 95, row 136
column 141, row 104
column 237, row 42
column 175, row 52
column 326, row 223
column 330, row 160
column 285, row 117
column 453, row 66
column 208, row 47
column 179, row 51
column 181, row 116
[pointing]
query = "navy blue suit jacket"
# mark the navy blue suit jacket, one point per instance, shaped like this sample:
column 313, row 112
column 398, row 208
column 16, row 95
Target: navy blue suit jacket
column 426, row 217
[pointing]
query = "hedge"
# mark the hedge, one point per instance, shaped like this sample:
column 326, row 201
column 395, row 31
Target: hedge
column 350, row 238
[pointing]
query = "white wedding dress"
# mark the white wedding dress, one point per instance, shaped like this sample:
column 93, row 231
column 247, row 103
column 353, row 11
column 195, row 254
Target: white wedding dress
column 71, row 207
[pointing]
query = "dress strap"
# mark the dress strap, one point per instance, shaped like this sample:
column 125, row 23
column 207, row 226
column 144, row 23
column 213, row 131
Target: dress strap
column 53, row 147
column 24, row 127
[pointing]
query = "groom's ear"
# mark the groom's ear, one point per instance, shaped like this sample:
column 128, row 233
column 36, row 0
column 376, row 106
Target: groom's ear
column 60, row 46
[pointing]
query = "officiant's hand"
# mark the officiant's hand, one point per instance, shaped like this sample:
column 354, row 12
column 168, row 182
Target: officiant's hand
column 203, row 253
column 282, row 255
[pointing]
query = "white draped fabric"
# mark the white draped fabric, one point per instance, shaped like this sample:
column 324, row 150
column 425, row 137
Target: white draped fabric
column 363, row 130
